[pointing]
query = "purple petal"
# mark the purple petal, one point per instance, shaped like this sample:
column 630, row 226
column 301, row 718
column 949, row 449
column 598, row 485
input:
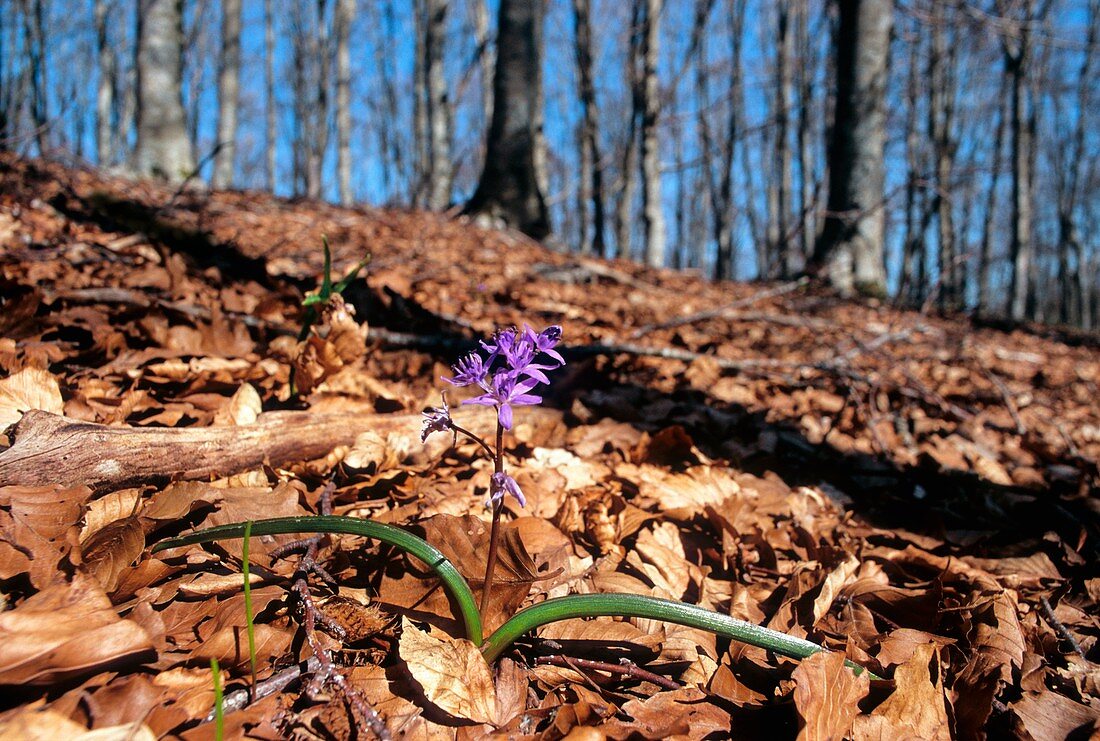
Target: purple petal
column 505, row 416
column 556, row 356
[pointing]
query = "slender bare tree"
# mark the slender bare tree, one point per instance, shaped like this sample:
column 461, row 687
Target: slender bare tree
column 229, row 75
column 628, row 170
column 105, row 85
column 438, row 108
column 162, row 149
column 941, row 121
column 781, row 246
column 592, row 166
column 345, row 15
column 34, row 33
column 851, row 246
column 480, row 13
column 269, row 97
column 1016, row 47
column 508, row 189
column 652, row 202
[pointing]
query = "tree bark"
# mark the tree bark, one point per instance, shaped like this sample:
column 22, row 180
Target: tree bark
column 782, row 247
column 985, row 250
column 105, row 86
column 484, row 56
column 804, row 77
column 162, row 149
column 591, row 159
column 269, row 98
column 911, row 287
column 628, row 170
column 49, row 449
column 438, row 107
column 652, row 207
column 229, row 75
column 1016, row 43
column 941, row 61
column 1074, row 283
column 851, row 246
column 725, row 266
column 35, row 34
column 508, row 190
column 345, row 14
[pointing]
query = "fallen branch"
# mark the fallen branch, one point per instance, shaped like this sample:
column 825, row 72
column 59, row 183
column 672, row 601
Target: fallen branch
column 52, row 450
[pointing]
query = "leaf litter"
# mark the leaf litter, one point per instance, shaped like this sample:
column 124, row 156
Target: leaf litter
column 916, row 493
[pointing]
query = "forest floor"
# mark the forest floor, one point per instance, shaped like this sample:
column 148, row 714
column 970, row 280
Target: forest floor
column 920, row 493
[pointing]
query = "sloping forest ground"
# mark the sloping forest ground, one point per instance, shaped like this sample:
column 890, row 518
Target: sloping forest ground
column 918, row 492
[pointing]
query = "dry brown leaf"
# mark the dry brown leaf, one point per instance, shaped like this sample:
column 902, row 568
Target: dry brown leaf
column 917, row 707
column 66, row 631
column 40, row 527
column 48, row 725
column 1050, row 715
column 30, row 388
column 112, row 550
column 243, row 408
column 452, row 673
column 827, row 694
column 680, row 714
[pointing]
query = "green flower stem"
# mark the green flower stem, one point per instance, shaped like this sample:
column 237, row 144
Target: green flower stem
column 219, row 701
column 453, row 582
column 249, row 627
column 642, row 606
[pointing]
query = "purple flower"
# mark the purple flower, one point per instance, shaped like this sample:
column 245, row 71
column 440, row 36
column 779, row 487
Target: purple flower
column 436, row 419
column 501, row 484
column 469, row 370
column 505, row 391
column 544, row 341
column 502, row 345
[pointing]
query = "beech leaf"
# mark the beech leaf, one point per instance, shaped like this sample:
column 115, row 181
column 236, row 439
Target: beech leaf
column 454, row 676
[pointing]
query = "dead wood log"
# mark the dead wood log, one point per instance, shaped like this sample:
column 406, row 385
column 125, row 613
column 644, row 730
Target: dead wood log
column 49, row 449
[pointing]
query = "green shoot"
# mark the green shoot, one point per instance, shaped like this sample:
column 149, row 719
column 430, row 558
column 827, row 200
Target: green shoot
column 219, row 708
column 248, row 608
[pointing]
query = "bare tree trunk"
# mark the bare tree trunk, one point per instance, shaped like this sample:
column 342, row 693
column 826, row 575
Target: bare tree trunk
column 985, row 253
column 698, row 58
column 652, row 210
column 345, row 14
column 229, row 75
column 162, row 148
column 911, row 287
column 940, row 122
column 851, row 245
column 317, row 138
column 7, row 44
column 804, row 85
column 269, row 98
column 782, row 247
column 542, row 151
column 484, row 56
column 508, row 190
column 420, row 106
column 592, row 179
column 725, row 266
column 1016, row 47
column 127, row 105
column 194, row 69
column 1073, row 281
column 35, row 34
column 438, row 107
column 389, row 140
column 104, row 103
